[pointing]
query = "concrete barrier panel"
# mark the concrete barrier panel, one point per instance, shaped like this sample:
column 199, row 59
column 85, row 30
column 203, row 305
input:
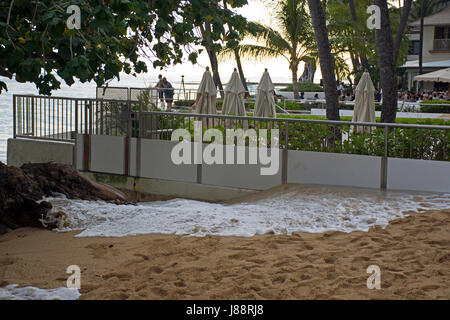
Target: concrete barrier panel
column 419, row 175
column 156, row 162
column 241, row 175
column 333, row 169
column 22, row 151
column 107, row 154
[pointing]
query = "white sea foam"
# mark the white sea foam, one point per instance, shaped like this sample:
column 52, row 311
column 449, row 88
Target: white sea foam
column 308, row 210
column 11, row 292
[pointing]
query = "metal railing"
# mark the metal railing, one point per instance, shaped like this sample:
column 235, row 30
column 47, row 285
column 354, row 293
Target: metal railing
column 59, row 118
column 134, row 94
column 428, row 142
column 182, row 97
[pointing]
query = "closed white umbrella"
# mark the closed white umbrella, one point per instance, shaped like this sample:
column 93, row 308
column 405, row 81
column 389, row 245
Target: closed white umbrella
column 265, row 102
column 442, row 75
column 206, row 96
column 364, row 110
column 233, row 102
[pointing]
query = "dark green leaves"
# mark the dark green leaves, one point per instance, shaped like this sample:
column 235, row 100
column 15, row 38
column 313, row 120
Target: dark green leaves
column 114, row 34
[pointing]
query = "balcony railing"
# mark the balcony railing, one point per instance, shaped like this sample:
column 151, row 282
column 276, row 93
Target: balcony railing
column 441, row 44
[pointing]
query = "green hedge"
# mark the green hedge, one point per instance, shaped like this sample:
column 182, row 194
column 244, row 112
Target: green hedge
column 403, row 142
column 305, row 87
column 435, row 102
column 428, row 107
column 184, row 103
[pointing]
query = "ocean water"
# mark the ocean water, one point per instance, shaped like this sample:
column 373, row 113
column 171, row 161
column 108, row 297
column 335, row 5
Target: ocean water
column 12, row 292
column 305, row 209
column 6, row 105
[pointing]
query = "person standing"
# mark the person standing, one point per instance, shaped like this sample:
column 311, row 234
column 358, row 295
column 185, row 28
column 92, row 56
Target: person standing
column 168, row 93
column 160, row 86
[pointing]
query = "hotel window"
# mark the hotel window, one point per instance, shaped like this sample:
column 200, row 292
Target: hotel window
column 442, row 38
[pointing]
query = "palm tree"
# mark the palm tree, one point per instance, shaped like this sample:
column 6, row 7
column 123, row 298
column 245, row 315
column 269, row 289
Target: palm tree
column 388, row 50
column 294, row 40
column 325, row 58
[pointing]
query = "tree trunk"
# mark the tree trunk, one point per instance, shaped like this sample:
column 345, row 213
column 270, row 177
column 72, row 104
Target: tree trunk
column 422, row 16
column 206, row 30
column 386, row 63
column 401, row 28
column 309, row 71
column 355, row 63
column 237, row 57
column 294, row 70
column 240, row 70
column 325, row 58
column 364, row 63
column 387, row 51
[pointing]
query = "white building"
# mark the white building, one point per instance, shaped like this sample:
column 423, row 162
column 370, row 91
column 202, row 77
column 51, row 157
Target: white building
column 436, row 48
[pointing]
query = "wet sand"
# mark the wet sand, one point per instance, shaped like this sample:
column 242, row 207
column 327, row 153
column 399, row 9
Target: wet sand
column 413, row 254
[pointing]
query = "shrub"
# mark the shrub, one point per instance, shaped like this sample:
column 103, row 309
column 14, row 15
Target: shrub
column 428, row 107
column 412, row 143
column 435, row 102
column 184, row 103
column 305, row 87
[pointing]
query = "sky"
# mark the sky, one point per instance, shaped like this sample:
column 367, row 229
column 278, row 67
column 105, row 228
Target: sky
column 278, row 68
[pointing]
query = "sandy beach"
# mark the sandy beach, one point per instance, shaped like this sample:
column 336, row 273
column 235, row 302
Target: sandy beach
column 413, row 254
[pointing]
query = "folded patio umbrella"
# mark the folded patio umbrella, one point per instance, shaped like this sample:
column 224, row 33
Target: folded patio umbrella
column 206, row 96
column 265, row 102
column 364, row 110
column 233, row 102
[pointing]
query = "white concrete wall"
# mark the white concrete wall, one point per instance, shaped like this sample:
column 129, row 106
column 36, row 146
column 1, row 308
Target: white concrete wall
column 333, row 169
column 22, row 151
column 420, row 175
column 156, row 162
column 304, row 167
column 107, row 154
column 241, row 175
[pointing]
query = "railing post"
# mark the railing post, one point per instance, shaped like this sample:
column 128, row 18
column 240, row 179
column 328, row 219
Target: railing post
column 86, row 117
column 76, row 117
column 138, row 127
column 384, row 160
column 285, row 153
column 14, row 117
column 127, row 140
column 32, row 116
